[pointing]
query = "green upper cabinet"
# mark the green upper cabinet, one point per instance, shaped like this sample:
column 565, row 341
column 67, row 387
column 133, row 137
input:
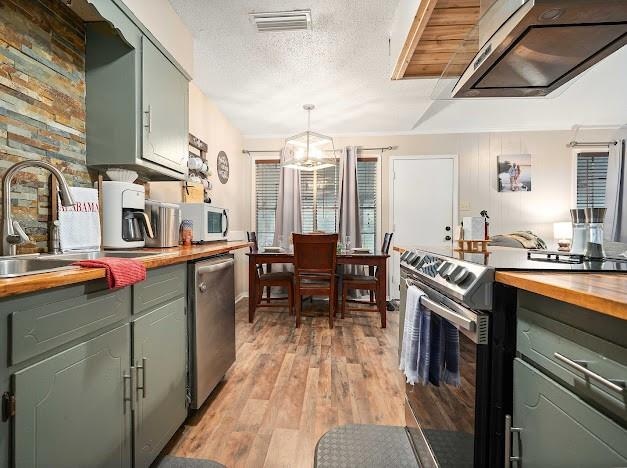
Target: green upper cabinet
column 159, row 348
column 137, row 98
column 72, row 408
column 165, row 107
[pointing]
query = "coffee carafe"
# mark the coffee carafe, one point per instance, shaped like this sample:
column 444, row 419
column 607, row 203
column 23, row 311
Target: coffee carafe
column 580, row 231
column 135, row 225
column 595, row 218
column 125, row 224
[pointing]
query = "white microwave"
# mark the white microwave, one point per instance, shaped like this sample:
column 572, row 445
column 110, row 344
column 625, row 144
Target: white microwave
column 210, row 222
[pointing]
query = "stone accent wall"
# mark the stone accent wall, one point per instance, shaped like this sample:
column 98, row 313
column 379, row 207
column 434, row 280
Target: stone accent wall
column 42, row 104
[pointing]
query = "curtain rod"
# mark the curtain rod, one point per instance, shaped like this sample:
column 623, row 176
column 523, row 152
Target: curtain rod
column 383, row 148
column 575, row 144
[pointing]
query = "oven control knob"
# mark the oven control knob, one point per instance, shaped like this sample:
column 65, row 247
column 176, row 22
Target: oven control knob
column 459, row 276
column 444, row 268
column 452, row 273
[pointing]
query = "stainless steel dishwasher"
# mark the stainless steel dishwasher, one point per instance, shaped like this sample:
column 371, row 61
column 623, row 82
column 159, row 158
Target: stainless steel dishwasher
column 211, row 296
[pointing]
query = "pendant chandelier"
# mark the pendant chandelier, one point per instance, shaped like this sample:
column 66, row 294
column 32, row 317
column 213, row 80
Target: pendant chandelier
column 308, row 151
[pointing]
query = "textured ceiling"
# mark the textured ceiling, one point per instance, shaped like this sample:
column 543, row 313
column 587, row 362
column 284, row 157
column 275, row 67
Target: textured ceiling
column 261, row 80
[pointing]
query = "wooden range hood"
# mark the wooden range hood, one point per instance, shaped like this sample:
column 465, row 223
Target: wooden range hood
column 437, row 33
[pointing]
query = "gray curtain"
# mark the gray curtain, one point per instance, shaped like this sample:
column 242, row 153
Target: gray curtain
column 348, row 216
column 288, row 213
column 616, row 216
column 288, row 210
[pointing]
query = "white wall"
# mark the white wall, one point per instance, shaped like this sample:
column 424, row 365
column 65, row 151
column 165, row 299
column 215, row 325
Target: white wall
column 403, row 20
column 162, row 21
column 208, row 123
column 548, row 202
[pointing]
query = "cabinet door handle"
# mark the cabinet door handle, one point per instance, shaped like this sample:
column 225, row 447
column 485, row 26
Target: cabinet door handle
column 149, row 118
column 142, row 387
column 508, row 441
column 131, row 379
column 616, row 385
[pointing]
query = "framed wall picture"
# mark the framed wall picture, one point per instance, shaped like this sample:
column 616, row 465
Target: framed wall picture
column 514, row 172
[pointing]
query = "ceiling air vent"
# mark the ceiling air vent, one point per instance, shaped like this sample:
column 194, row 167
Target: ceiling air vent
column 282, row 20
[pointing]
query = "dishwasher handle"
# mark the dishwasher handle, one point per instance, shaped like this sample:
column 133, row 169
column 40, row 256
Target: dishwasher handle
column 201, row 270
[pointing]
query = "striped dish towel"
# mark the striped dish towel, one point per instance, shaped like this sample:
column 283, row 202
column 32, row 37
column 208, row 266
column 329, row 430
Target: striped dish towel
column 415, row 350
column 444, row 365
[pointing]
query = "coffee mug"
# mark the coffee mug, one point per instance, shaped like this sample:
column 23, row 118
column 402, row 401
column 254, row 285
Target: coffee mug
column 194, row 163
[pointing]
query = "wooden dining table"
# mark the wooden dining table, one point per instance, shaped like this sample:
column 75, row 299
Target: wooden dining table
column 376, row 260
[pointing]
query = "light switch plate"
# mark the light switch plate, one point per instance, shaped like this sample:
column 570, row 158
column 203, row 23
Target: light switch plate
column 464, row 206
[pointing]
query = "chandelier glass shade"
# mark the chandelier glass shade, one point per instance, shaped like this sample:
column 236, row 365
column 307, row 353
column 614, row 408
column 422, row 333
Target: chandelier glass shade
column 308, row 151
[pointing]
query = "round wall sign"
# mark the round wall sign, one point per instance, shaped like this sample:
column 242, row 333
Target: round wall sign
column 223, row 167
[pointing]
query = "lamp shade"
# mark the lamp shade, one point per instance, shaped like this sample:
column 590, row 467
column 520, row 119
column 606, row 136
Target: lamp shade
column 562, row 230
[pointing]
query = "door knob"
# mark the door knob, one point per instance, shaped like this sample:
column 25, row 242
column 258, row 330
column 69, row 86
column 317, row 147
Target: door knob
column 202, row 287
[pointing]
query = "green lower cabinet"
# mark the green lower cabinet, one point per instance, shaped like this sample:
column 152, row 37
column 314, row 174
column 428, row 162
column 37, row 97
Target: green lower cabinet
column 71, row 408
column 160, row 349
column 558, row 429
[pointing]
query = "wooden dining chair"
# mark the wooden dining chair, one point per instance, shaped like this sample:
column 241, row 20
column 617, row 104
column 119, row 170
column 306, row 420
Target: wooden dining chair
column 267, row 280
column 369, row 282
column 315, row 260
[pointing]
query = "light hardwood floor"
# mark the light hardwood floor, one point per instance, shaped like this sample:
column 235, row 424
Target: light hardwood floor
column 288, row 387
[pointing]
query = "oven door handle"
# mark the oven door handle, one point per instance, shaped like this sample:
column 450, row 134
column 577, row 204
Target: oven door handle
column 453, row 317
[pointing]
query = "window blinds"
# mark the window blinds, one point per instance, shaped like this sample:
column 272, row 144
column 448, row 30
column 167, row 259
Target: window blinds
column 367, row 187
column 591, row 179
column 324, row 184
column 267, row 191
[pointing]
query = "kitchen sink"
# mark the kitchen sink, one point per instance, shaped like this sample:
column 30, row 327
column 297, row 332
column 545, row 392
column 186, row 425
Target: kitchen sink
column 106, row 253
column 11, row 267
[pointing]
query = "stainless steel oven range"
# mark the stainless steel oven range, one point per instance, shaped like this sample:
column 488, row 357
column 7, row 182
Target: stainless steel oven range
column 450, row 426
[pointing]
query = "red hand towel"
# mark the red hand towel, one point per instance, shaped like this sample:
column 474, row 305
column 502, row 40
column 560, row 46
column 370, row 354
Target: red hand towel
column 120, row 271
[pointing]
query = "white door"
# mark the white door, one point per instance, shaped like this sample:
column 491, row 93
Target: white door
column 423, row 203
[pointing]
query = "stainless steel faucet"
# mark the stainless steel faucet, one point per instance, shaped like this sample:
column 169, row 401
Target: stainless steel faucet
column 12, row 232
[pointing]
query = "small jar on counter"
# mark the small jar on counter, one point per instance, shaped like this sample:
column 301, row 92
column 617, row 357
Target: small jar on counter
column 187, row 232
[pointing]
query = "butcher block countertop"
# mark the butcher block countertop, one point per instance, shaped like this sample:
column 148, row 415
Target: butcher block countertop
column 38, row 282
column 605, row 293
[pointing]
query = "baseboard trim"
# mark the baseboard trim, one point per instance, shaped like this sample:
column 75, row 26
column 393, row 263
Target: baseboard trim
column 241, row 296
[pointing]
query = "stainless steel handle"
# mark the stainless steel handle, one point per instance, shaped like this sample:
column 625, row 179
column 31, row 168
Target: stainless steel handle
column 130, row 377
column 147, row 224
column 508, row 441
column 226, row 216
column 215, row 267
column 142, row 387
column 451, row 316
column 149, row 118
column 616, row 385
